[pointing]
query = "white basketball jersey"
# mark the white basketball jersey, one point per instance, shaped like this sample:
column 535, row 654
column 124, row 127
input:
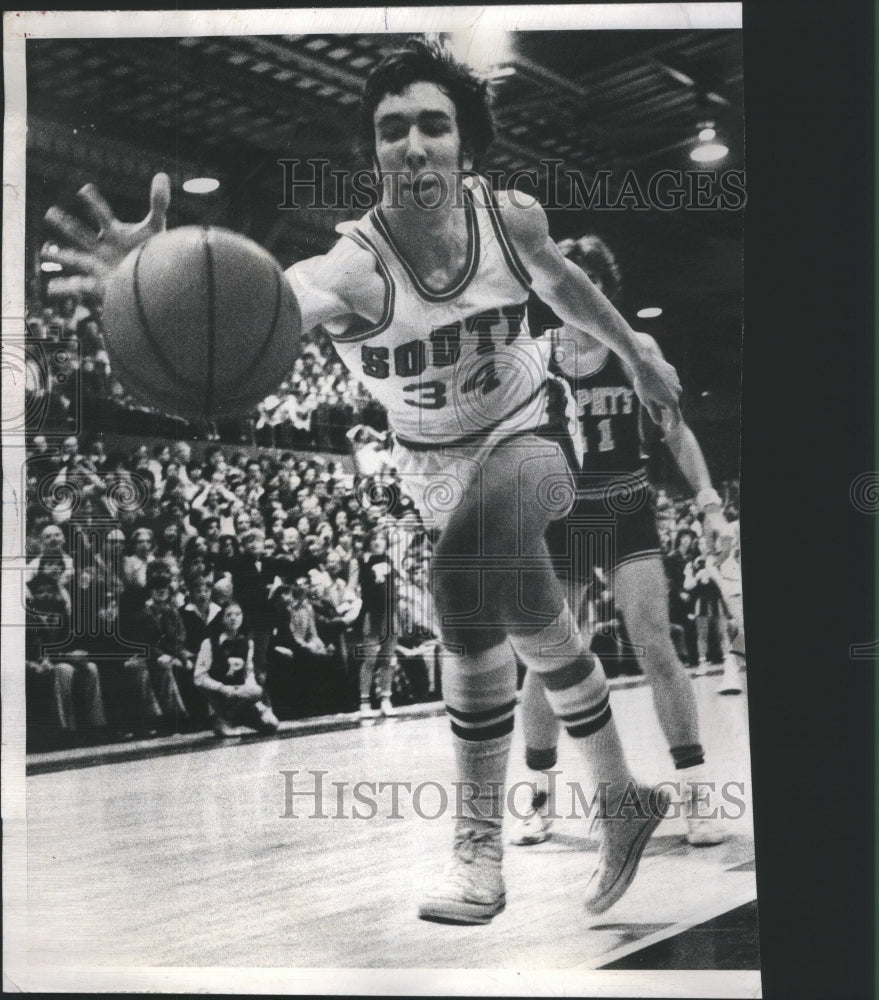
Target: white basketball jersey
column 454, row 364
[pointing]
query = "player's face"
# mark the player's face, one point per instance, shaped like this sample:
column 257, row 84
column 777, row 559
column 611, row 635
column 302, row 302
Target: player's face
column 417, row 138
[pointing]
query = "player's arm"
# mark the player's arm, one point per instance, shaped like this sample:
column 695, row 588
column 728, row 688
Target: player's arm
column 573, row 297
column 337, row 286
column 685, row 449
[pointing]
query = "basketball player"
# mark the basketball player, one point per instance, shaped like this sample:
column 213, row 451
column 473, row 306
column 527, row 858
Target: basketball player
column 613, row 431
column 425, row 300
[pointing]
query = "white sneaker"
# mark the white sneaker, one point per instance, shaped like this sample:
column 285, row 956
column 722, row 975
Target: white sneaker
column 703, row 829
column 471, row 889
column 534, row 827
column 730, row 682
column 623, row 835
column 387, row 708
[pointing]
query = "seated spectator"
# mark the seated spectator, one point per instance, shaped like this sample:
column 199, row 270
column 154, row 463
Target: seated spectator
column 53, row 567
column 336, row 609
column 111, row 560
column 129, row 699
column 253, row 575
column 224, row 672
column 222, row 592
column 159, row 627
column 228, row 551
column 52, row 543
column 209, row 529
column 169, row 544
column 201, row 616
column 40, row 462
column 297, row 655
column 134, row 571
column 63, row 690
column 198, row 560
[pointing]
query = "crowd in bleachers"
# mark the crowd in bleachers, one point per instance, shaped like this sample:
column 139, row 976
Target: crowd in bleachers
column 136, row 561
column 168, row 591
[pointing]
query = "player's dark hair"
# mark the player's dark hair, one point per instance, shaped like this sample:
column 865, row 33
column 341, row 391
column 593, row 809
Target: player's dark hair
column 423, row 61
column 593, row 254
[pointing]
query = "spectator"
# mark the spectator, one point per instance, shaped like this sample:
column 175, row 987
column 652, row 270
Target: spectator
column 225, row 672
column 52, row 543
column 134, row 570
column 701, row 581
column 681, row 599
column 298, row 655
column 66, row 683
column 378, row 639
column 201, row 616
column 130, row 702
column 159, row 627
column 40, row 461
column 336, row 608
column 418, row 645
column 253, row 576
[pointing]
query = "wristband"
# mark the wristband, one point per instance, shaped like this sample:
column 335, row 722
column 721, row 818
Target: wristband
column 707, row 496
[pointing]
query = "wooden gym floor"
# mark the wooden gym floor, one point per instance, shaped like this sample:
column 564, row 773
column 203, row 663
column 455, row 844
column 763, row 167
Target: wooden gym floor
column 187, row 861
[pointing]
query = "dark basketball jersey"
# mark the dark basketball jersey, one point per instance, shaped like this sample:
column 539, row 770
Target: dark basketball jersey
column 608, row 412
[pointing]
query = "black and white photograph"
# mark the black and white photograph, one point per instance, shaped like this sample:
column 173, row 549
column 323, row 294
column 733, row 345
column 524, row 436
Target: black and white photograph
column 372, row 563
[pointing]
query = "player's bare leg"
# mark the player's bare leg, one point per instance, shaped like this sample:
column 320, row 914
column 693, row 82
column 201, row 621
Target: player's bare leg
column 641, row 594
column 506, row 585
column 540, row 728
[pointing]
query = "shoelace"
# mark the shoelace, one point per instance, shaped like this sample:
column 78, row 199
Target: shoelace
column 468, row 843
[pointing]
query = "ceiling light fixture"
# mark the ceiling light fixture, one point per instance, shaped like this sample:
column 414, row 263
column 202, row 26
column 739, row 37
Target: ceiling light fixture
column 649, row 312
column 201, row 185
column 50, row 265
column 710, row 147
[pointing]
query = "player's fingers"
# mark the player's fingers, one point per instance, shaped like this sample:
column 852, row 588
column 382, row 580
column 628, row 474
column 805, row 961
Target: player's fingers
column 73, row 260
column 160, row 200
column 71, row 229
column 96, row 205
column 75, row 285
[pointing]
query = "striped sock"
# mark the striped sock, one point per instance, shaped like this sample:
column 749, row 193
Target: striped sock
column 690, row 755
column 480, row 693
column 577, row 690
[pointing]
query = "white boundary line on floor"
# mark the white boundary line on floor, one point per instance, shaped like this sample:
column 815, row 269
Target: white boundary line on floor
column 716, row 909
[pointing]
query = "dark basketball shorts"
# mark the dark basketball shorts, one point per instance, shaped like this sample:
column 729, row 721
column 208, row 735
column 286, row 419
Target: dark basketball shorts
column 604, row 531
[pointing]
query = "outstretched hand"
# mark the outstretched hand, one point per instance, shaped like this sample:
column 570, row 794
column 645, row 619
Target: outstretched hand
column 659, row 389
column 92, row 254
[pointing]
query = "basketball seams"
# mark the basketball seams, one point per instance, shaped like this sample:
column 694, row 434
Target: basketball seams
column 158, row 350
column 270, row 334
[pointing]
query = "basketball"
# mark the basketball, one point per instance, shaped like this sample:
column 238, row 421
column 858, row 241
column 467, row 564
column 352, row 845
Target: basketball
column 200, row 321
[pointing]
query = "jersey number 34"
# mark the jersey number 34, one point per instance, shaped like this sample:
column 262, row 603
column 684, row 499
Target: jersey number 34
column 443, row 350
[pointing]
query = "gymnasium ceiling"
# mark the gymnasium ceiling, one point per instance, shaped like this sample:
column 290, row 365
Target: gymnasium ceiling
column 116, row 110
